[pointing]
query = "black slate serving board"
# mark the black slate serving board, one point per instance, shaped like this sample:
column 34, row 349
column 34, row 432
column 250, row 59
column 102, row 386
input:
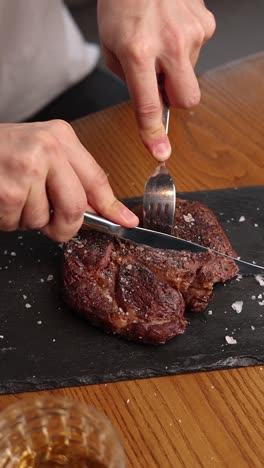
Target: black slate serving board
column 44, row 345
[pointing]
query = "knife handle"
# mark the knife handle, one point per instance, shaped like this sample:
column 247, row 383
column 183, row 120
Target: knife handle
column 98, row 223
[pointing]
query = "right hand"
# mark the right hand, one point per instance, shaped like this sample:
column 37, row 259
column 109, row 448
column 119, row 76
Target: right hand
column 143, row 38
column 42, row 163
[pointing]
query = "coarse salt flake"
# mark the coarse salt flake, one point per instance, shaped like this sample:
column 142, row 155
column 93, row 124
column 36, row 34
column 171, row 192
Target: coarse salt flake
column 261, row 303
column 237, row 306
column 24, row 296
column 256, row 225
column 260, row 279
column 13, row 254
column 39, row 322
column 242, row 219
column 210, row 312
column 2, row 337
column 252, row 327
column 27, row 305
column 128, row 401
column 188, row 218
column 50, row 278
column 260, row 296
column 230, row 340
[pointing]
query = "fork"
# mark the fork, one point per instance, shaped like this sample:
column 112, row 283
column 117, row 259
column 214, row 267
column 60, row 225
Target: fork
column 159, row 192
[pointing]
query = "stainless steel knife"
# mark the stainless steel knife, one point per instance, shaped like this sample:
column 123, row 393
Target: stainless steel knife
column 161, row 241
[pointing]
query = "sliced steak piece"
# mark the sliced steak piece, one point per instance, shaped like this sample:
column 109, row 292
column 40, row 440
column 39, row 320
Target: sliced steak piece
column 139, row 292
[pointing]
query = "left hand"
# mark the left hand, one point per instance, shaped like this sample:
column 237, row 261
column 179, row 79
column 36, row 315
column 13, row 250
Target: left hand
column 142, row 38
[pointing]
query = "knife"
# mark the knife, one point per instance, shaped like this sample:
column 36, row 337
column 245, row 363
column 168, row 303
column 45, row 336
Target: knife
column 160, row 240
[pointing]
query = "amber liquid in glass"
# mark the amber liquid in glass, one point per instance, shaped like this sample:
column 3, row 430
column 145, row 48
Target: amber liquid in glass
column 49, row 457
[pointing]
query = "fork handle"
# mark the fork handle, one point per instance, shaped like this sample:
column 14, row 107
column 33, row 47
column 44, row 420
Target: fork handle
column 165, row 102
column 165, row 116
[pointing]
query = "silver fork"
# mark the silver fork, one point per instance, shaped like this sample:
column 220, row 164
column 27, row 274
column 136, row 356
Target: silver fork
column 159, row 192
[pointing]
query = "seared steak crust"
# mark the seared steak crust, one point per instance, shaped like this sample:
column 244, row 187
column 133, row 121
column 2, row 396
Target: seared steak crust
column 139, row 292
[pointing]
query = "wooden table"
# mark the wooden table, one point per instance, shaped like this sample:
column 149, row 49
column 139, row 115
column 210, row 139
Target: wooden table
column 203, row 419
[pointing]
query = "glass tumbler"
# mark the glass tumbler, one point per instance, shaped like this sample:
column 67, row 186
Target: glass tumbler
column 47, row 432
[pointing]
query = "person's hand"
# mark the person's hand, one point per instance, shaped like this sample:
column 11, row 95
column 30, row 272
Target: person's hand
column 45, row 163
column 142, row 38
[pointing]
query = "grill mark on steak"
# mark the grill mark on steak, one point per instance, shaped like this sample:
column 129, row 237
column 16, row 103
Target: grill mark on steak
column 139, row 292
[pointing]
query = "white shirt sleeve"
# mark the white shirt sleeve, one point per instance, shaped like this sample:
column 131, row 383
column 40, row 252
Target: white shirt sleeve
column 42, row 53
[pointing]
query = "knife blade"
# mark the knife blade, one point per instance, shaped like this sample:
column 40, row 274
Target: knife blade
column 160, row 240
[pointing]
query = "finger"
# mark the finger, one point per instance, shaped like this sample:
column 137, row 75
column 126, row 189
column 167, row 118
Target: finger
column 194, row 55
column 206, row 19
column 11, row 206
column 69, row 202
column 96, row 185
column 113, row 63
column 142, row 84
column 36, row 211
column 181, row 84
column 9, row 222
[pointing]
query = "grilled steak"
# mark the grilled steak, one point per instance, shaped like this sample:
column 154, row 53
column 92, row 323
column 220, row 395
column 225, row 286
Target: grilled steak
column 139, row 292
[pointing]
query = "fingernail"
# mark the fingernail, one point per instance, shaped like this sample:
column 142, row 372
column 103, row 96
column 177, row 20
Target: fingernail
column 161, row 150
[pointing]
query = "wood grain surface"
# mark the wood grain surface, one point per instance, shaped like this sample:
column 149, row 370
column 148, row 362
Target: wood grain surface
column 203, row 419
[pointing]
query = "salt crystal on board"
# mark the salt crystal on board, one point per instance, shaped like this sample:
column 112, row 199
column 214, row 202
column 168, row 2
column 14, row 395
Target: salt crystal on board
column 260, row 279
column 230, row 340
column 242, row 219
column 237, row 306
